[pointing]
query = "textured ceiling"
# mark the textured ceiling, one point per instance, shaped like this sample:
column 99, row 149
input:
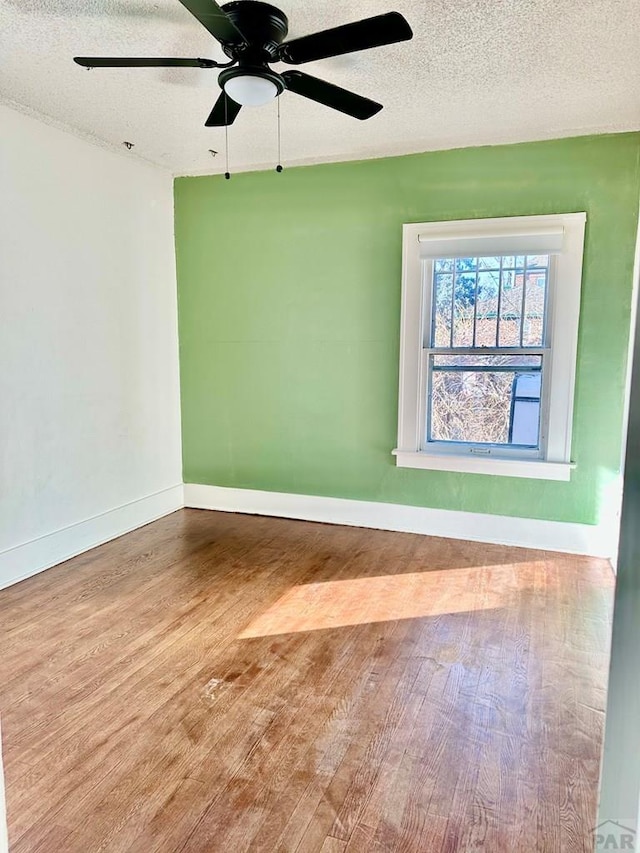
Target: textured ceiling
column 476, row 72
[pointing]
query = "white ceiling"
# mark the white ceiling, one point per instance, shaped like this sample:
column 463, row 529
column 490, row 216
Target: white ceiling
column 476, row 72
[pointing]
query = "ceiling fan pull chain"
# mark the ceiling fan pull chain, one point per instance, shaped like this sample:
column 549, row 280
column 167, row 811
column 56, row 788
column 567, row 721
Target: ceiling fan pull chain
column 279, row 166
column 227, row 174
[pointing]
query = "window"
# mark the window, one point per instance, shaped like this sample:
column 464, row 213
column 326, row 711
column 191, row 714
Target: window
column 488, row 345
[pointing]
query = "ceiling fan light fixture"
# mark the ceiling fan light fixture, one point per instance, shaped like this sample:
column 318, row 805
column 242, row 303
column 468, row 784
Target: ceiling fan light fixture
column 251, row 90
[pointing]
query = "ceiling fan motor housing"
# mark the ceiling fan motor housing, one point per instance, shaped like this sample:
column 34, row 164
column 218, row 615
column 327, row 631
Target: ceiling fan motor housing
column 264, row 27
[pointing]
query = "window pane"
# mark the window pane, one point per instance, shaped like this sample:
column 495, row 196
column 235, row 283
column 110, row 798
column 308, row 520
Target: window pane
column 525, row 417
column 444, row 265
column 465, row 297
column 489, row 263
column 487, row 307
column 466, row 264
column 493, row 301
column 442, row 310
column 535, row 301
column 510, row 309
column 486, row 399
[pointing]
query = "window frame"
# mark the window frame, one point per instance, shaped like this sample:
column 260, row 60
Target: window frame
column 552, row 460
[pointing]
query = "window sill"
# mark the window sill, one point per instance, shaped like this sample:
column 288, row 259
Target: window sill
column 537, row 469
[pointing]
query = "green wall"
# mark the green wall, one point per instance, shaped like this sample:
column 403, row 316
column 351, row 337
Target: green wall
column 289, row 311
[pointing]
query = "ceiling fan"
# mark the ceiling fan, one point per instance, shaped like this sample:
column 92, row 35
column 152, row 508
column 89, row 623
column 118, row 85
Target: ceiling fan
column 252, row 35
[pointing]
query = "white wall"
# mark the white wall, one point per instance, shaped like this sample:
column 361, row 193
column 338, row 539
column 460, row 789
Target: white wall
column 89, row 389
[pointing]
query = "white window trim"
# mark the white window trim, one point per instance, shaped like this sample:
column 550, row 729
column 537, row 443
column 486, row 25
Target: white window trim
column 567, row 231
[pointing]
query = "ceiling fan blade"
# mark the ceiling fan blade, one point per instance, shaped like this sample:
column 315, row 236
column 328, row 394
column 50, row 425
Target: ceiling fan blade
column 361, row 35
column 330, row 95
column 214, row 19
column 146, row 62
column 224, row 112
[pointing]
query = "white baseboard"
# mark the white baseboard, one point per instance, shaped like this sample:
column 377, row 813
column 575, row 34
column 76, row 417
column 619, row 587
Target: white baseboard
column 31, row 557
column 569, row 537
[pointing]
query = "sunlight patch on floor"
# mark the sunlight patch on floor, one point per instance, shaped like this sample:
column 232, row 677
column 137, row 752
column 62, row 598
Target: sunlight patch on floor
column 359, row 601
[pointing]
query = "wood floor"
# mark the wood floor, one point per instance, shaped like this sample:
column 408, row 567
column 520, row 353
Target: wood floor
column 215, row 682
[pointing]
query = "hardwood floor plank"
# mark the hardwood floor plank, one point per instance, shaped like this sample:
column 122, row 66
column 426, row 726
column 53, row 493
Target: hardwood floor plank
column 332, row 845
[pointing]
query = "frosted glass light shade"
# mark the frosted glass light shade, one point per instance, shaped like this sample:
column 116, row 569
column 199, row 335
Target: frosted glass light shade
column 250, row 90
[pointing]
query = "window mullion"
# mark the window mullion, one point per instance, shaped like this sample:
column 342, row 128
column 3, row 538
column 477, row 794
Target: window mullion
column 453, row 302
column 475, row 304
column 524, row 300
column 499, row 302
column 486, row 351
column 425, row 413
